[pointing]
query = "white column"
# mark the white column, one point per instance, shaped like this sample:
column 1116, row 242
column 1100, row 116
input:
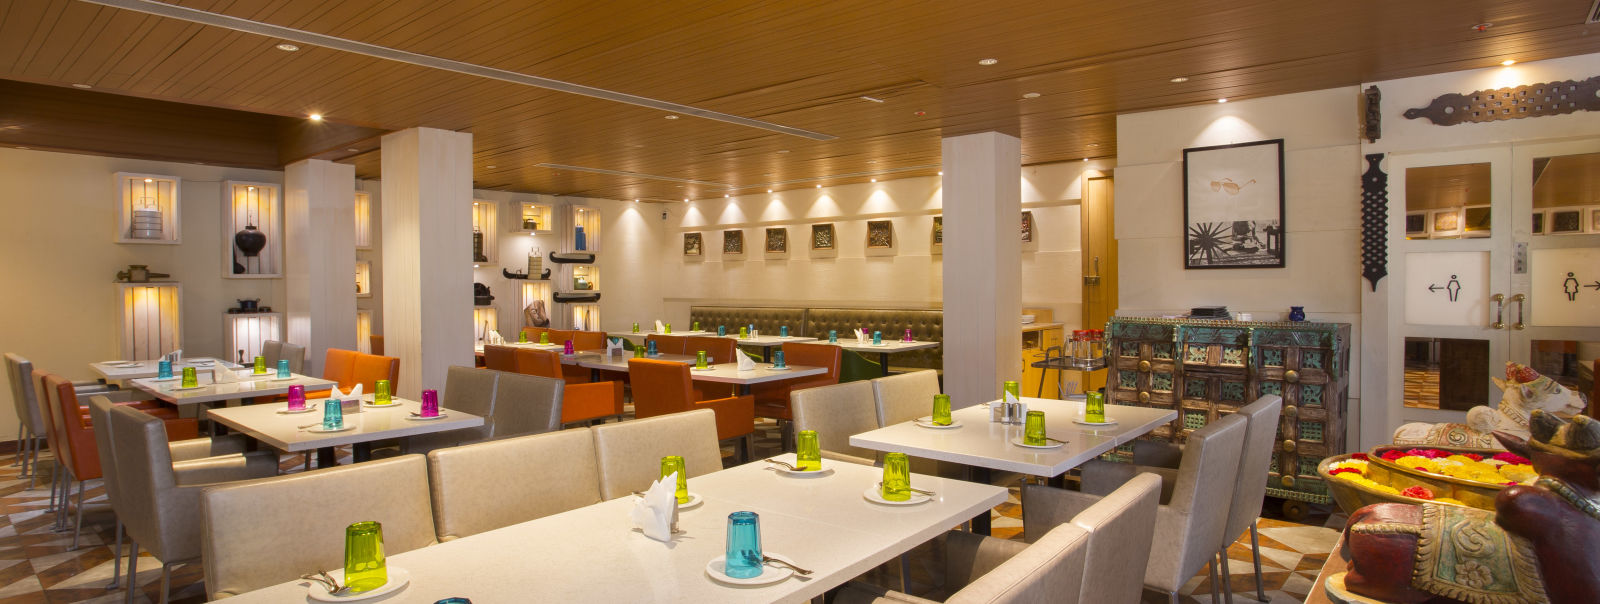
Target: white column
column 427, row 253
column 320, row 257
column 982, row 197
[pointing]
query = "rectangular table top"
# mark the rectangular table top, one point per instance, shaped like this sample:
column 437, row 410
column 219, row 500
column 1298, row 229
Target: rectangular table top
column 592, row 554
column 116, row 371
column 768, row 341
column 888, row 346
column 651, row 332
column 723, row 373
column 985, row 444
column 210, row 392
column 556, row 346
column 268, row 424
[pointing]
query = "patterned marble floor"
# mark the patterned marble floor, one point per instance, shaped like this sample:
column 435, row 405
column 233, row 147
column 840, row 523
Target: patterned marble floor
column 38, row 564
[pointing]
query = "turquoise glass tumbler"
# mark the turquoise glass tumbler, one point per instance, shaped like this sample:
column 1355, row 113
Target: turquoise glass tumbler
column 833, row 336
column 877, row 338
column 283, row 368
column 783, row 332
column 651, row 349
column 332, row 415
column 777, row 360
column 164, row 370
column 364, row 565
column 743, row 557
column 722, row 331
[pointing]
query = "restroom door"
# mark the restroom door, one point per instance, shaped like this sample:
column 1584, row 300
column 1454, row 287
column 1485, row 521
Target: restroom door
column 1099, row 245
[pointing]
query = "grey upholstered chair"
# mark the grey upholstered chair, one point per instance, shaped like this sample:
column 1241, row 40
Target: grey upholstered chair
column 905, row 397
column 469, row 390
column 1190, row 521
column 274, row 351
column 485, row 486
column 987, row 569
column 836, row 412
column 1120, row 527
column 157, row 500
column 526, row 404
column 264, row 532
column 31, row 426
column 629, row 453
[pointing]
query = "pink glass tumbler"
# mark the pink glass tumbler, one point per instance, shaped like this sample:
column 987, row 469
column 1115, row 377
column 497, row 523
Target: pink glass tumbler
column 568, row 349
column 297, row 398
column 430, row 403
column 908, row 336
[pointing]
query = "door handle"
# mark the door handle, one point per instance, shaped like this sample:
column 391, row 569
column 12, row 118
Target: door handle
column 1095, row 278
column 1518, row 298
column 1499, row 311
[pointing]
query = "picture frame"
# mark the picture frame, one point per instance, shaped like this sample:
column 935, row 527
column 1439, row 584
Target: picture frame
column 1233, row 200
column 1417, row 224
column 1475, row 221
column 1594, row 219
column 880, row 234
column 693, row 244
column 937, row 239
column 1445, row 223
column 1027, row 227
column 1565, row 221
column 822, row 236
column 1537, row 227
column 778, row 241
column 733, row 242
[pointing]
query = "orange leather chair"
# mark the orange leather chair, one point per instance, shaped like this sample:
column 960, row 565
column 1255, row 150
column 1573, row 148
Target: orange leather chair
column 579, row 402
column 348, row 368
column 376, row 344
column 662, row 387
column 588, row 340
column 772, row 398
column 668, row 344
column 499, row 358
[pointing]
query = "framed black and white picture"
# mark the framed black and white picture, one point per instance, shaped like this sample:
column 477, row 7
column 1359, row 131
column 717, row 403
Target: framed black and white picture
column 1233, row 206
column 1417, row 224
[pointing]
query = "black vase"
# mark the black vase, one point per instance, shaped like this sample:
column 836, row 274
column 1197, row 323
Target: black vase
column 250, row 241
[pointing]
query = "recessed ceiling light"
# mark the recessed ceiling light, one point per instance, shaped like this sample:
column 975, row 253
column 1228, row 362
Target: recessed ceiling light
column 1222, row 100
column 83, row 86
column 725, row 196
column 474, row 203
column 1031, row 95
column 874, row 180
column 23, row 148
column 988, row 61
column 872, row 161
column 1178, row 80
column 315, row 117
column 870, row 98
column 1085, row 159
column 490, row 167
column 819, row 186
column 769, row 190
column 1509, row 62
column 783, row 150
column 253, row 188
column 636, row 201
column 672, row 117
column 353, row 150
column 149, row 180
column 686, row 199
column 288, row 47
column 941, row 172
column 474, row 266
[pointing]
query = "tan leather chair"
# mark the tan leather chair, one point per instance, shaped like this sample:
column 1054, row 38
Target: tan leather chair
column 836, row 412
column 33, row 428
column 905, row 397
column 1189, row 522
column 629, row 453
column 988, row 570
column 1120, row 527
column 485, row 486
column 265, row 532
column 158, row 500
column 526, row 404
column 468, row 390
column 274, row 351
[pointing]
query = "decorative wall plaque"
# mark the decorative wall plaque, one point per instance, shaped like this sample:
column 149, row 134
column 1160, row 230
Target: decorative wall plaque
column 692, row 244
column 1532, row 100
column 733, row 242
column 1027, row 227
column 880, row 234
column 778, row 241
column 822, row 236
column 1374, row 223
column 1373, row 128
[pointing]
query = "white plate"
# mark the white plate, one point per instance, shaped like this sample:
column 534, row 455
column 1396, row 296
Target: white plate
column 872, row 494
column 167, row 379
column 419, row 418
column 707, row 368
column 827, row 468
column 319, row 430
column 927, row 422
column 770, row 573
column 1108, row 422
column 777, row 368
column 398, row 578
column 1050, row 444
column 178, row 388
column 279, row 379
column 308, row 409
column 694, row 500
column 372, row 405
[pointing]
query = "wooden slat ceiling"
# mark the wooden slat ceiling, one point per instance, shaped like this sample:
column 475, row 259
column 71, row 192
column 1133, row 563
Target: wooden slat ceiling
column 800, row 64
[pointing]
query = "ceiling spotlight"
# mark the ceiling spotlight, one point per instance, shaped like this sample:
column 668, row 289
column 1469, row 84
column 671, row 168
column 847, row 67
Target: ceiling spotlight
column 490, row 167
column 635, row 201
column 253, row 188
column 1222, row 100
column 83, row 86
column 783, row 150
column 725, row 195
column 474, row 203
column 1509, row 62
column 672, row 117
column 769, row 190
column 874, row 180
column 1031, row 95
column 1085, row 159
column 353, row 150
column 941, row 172
column 686, row 199
column 819, row 186
column 23, row 148
column 149, row 180
column 870, row 98
column 1178, row 80
column 315, row 117
column 988, row 61
column 1093, row 145
column 287, row 47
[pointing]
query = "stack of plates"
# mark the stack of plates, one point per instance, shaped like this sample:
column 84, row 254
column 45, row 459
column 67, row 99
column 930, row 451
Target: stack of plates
column 146, row 224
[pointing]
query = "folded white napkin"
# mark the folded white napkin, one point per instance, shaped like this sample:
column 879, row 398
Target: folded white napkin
column 495, row 338
column 657, row 512
column 353, row 394
column 861, row 337
column 223, row 375
column 1010, row 398
column 745, row 364
column 613, row 346
column 660, row 328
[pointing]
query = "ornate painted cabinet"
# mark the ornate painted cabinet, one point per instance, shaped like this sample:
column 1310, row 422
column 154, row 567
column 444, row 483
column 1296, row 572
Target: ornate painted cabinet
column 1208, row 369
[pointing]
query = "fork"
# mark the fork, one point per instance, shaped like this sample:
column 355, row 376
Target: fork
column 765, row 559
column 327, row 582
column 782, row 463
column 1056, row 440
column 916, row 490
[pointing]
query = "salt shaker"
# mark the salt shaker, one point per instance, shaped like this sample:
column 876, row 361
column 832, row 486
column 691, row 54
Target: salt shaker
column 997, row 412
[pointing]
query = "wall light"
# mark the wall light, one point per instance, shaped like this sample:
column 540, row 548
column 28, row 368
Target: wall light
column 1509, row 62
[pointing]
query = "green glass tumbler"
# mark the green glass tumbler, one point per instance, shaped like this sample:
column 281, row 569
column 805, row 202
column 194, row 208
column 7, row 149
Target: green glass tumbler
column 700, row 359
column 695, row 326
column 1033, row 429
column 941, row 409
column 191, row 378
column 522, row 337
column 638, row 352
column 896, row 477
column 808, row 453
column 668, row 328
column 364, row 567
column 674, row 463
column 380, row 394
column 544, row 337
column 260, row 365
column 1094, row 407
column 635, row 328
column 744, row 333
column 1012, row 387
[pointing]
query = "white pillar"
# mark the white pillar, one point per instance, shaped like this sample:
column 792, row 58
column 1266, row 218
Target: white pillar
column 320, row 257
column 982, row 197
column 427, row 253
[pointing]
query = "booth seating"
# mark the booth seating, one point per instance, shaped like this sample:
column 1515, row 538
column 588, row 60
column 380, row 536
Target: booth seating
column 926, row 325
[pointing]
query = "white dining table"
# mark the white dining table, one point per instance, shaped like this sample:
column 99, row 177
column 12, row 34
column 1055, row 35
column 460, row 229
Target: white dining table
column 289, row 432
column 640, row 335
column 984, row 445
column 478, row 348
column 767, row 342
column 209, row 391
column 722, row 373
column 116, row 371
column 885, row 349
column 592, row 554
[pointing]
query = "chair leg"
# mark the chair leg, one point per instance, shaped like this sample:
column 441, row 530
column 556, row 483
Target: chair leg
column 33, row 477
column 1172, row 597
column 905, row 574
column 133, row 570
column 77, row 526
column 116, row 560
column 1255, row 549
column 1227, row 582
column 55, row 479
column 18, row 460
column 27, row 457
column 1212, row 567
column 166, row 581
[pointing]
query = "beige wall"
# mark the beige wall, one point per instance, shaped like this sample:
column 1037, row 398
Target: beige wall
column 906, row 276
column 60, row 262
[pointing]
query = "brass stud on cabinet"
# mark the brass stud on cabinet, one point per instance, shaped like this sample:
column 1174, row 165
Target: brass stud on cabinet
column 1291, row 376
column 1144, row 397
column 1291, row 411
column 1287, row 481
column 1288, row 445
column 1144, row 366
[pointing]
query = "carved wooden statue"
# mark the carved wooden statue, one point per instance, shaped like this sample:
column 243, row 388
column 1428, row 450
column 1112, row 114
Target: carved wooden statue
column 1525, row 390
column 1541, row 544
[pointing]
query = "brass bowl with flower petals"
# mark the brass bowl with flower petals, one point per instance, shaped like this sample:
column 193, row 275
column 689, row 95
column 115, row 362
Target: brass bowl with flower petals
column 1352, row 496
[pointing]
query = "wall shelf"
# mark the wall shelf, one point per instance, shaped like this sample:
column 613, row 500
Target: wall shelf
column 363, row 221
column 484, row 233
column 152, row 200
column 247, row 331
column 585, row 278
column 536, row 291
column 257, row 205
column 150, row 319
column 589, row 219
column 363, row 279
column 539, row 216
column 364, row 331
column 484, row 318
